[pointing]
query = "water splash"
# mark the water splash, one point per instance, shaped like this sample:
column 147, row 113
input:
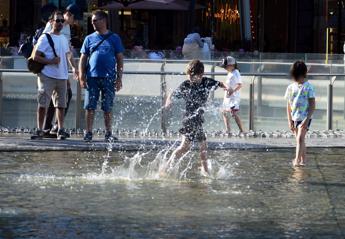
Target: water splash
column 152, row 118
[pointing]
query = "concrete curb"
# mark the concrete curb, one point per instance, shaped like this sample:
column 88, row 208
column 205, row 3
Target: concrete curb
column 20, row 143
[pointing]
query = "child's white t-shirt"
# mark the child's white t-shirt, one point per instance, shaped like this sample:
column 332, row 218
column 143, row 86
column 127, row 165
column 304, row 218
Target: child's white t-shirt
column 61, row 46
column 232, row 80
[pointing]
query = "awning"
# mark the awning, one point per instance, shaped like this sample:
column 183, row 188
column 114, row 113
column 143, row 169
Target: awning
column 178, row 5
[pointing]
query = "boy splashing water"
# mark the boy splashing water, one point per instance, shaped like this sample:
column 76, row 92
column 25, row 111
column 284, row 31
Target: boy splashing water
column 300, row 97
column 195, row 92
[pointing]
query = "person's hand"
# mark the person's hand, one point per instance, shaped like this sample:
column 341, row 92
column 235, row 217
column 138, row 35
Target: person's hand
column 304, row 124
column 55, row 61
column 75, row 73
column 82, row 81
column 229, row 92
column 118, row 84
column 83, row 84
column 292, row 126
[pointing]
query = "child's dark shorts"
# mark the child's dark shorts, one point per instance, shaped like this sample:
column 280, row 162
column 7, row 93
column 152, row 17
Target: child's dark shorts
column 297, row 123
column 192, row 129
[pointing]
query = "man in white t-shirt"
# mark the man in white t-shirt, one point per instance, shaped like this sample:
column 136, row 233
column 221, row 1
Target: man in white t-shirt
column 54, row 76
column 71, row 15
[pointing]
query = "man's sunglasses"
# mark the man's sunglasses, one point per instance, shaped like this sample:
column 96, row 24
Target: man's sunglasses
column 59, row 20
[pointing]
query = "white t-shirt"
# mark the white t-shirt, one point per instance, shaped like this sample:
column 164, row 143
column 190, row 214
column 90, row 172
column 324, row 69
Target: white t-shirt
column 232, row 80
column 66, row 30
column 61, row 46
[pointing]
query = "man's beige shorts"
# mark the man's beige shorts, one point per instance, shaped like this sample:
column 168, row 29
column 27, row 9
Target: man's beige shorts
column 48, row 87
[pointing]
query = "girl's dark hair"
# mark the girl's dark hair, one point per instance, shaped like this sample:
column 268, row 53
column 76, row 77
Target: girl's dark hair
column 298, row 69
column 55, row 13
column 236, row 66
column 195, row 67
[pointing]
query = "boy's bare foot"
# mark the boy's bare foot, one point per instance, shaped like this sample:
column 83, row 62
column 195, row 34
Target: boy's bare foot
column 203, row 172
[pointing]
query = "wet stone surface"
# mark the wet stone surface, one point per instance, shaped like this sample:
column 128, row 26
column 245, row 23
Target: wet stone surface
column 129, row 140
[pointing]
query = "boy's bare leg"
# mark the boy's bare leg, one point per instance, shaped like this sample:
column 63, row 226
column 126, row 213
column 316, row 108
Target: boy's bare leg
column 203, row 155
column 180, row 151
column 89, row 119
column 238, row 121
column 226, row 122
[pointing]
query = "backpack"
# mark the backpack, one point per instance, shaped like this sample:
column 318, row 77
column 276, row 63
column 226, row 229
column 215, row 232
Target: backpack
column 35, row 66
column 26, row 48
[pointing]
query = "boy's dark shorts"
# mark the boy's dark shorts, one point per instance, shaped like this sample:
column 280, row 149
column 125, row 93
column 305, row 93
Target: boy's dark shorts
column 192, row 130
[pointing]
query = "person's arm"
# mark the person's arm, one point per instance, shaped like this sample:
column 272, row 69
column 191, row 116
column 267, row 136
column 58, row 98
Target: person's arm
column 311, row 110
column 39, row 58
column 222, row 85
column 73, row 65
column 290, row 121
column 119, row 71
column 238, row 87
column 168, row 101
column 82, row 70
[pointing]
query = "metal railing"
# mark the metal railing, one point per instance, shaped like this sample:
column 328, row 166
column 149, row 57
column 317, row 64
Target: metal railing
column 256, row 78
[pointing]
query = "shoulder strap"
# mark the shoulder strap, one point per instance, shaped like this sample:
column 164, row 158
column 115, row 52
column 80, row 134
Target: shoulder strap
column 51, row 42
column 99, row 43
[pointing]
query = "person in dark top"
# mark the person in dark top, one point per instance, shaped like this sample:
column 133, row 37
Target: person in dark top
column 195, row 92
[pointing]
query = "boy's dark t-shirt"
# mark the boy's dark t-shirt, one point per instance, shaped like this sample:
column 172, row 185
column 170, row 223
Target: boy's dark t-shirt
column 196, row 96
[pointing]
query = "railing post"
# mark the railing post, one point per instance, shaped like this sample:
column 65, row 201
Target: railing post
column 163, row 98
column 78, row 108
column 259, row 81
column 211, row 97
column 251, row 104
column 1, row 94
column 330, row 104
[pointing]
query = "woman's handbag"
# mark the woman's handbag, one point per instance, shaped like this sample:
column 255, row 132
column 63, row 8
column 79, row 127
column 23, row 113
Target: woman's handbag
column 35, row 66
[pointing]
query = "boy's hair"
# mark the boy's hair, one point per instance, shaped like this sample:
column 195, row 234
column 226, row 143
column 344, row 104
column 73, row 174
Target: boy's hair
column 55, row 13
column 195, row 67
column 298, row 69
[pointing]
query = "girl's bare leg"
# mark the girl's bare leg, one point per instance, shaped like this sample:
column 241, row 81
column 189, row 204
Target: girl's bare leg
column 304, row 151
column 300, row 147
column 226, row 122
column 238, row 122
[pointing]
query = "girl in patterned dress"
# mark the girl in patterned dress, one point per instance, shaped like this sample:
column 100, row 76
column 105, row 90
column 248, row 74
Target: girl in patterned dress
column 300, row 97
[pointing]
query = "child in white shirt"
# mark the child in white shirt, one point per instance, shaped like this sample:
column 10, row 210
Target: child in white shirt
column 231, row 102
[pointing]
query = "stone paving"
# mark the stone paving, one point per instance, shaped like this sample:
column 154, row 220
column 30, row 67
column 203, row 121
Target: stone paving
column 19, row 140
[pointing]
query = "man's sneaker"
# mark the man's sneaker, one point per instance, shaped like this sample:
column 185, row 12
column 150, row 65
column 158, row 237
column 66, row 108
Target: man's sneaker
column 109, row 137
column 47, row 134
column 88, row 137
column 54, row 129
column 38, row 134
column 61, row 134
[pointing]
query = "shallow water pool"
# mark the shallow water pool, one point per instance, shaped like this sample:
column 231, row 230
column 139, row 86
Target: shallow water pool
column 250, row 194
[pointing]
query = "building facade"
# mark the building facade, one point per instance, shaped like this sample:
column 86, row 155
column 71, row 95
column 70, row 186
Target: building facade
column 264, row 25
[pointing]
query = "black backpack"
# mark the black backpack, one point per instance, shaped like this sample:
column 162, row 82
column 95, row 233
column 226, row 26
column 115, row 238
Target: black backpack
column 26, row 48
